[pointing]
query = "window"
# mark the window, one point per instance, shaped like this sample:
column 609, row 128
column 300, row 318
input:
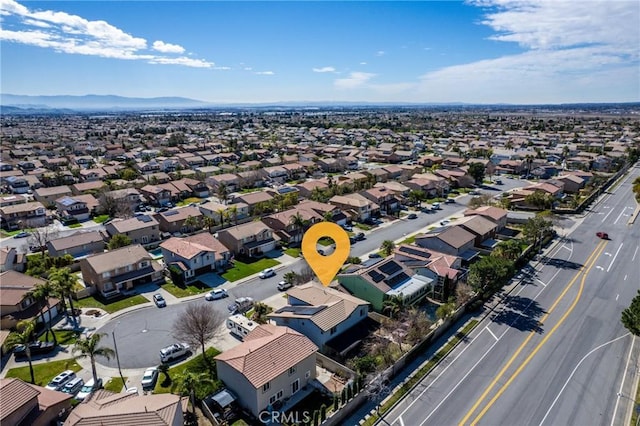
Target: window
column 280, row 393
column 334, row 329
column 307, row 374
column 295, row 386
column 266, row 387
column 272, row 399
column 144, row 264
column 144, row 239
column 292, row 370
column 106, row 274
column 362, row 312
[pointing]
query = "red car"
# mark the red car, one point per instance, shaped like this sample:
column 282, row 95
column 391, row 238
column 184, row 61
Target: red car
column 602, row 235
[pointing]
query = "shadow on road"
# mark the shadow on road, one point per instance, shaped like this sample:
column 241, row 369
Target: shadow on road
column 561, row 263
column 521, row 313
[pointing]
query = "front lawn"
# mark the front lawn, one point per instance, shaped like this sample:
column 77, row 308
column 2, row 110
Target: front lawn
column 65, row 337
column 115, row 384
column 101, row 218
column 409, row 240
column 293, row 252
column 44, row 372
column 195, row 365
column 188, row 201
column 325, row 241
column 363, row 226
column 191, row 289
column 111, row 307
column 75, row 225
column 241, row 269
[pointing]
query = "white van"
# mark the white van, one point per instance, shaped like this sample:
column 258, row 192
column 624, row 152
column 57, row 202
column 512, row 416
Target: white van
column 73, row 386
column 240, row 325
column 435, row 206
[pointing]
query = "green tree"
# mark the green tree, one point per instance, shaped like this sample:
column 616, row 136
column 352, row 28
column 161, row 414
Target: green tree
column 260, row 312
column 540, row 199
column 89, row 348
column 23, row 336
column 510, row 249
column 445, row 310
column 631, row 316
column 299, row 223
column 477, row 172
column 490, row 273
column 222, row 214
column 119, row 240
column 223, row 192
column 192, row 223
column 393, row 306
column 232, row 213
column 195, row 384
column 64, row 283
column 42, row 293
column 417, row 197
column 209, row 222
column 535, row 229
column 387, row 247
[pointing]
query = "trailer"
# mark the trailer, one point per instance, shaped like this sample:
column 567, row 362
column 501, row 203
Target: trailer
column 240, row 325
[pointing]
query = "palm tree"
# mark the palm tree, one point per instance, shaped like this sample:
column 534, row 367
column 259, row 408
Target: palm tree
column 260, row 312
column 64, row 283
column 222, row 213
column 23, row 336
column 209, row 222
column 191, row 222
column 509, row 249
column 233, row 213
column 42, row 293
column 299, row 222
column 393, row 306
column 89, row 348
column 387, row 247
column 190, row 381
column 222, row 192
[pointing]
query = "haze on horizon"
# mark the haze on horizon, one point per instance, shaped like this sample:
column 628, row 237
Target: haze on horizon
column 477, row 52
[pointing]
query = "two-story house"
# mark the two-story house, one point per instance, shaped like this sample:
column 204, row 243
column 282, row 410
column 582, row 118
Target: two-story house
column 177, row 220
column 272, row 364
column 355, row 206
column 156, row 194
column 251, row 239
column 320, row 313
column 26, row 215
column 31, row 404
column 110, row 273
column 229, row 213
column 16, row 303
column 71, row 208
column 484, row 230
column 78, row 245
column 453, row 240
column 48, row 196
column 254, row 200
column 285, row 226
column 387, row 200
column 141, row 229
column 10, row 260
column 195, row 255
column 494, row 214
column 378, row 280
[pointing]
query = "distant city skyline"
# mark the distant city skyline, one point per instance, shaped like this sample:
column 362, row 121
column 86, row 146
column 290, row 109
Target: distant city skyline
column 479, row 51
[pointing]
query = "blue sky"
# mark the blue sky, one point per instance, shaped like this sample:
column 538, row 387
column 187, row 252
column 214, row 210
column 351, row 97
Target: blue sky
column 480, row 51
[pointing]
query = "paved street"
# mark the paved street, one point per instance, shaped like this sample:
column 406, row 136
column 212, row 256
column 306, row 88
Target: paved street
column 555, row 351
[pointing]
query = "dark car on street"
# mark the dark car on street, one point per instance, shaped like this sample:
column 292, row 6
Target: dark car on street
column 36, row 348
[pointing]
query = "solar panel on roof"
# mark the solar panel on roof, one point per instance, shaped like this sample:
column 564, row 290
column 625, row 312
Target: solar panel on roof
column 144, row 218
column 390, row 268
column 391, row 282
column 170, row 212
column 414, row 251
column 376, row 276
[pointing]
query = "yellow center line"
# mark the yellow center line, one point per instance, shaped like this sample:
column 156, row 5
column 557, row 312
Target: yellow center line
column 584, row 269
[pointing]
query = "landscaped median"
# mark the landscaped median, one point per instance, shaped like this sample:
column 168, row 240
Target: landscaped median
column 408, row 385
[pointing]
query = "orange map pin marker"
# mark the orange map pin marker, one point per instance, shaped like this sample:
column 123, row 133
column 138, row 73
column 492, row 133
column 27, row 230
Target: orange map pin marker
column 325, row 267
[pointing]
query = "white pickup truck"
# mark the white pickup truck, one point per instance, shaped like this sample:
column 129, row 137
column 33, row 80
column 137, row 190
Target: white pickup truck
column 175, row 351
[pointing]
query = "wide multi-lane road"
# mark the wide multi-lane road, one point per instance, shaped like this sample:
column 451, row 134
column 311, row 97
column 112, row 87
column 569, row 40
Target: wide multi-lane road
column 554, row 352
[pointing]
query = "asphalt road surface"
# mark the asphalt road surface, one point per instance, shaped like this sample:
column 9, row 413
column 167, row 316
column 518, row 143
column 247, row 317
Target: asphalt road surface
column 555, row 352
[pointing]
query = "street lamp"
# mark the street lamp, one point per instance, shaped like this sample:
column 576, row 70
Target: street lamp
column 115, row 347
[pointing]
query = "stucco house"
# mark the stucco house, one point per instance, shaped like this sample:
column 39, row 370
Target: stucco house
column 142, row 229
column 79, row 244
column 249, row 239
column 27, row 404
column 272, row 364
column 194, row 255
column 15, row 302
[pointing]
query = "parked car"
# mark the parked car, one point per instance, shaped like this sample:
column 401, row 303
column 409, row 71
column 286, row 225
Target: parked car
column 159, row 300
column 36, row 348
column 347, row 227
column 73, row 386
column 175, row 351
column 60, row 380
column 435, row 206
column 149, row 378
column 241, row 305
column 284, row 285
column 412, row 216
column 602, row 235
column 216, row 293
column 375, row 256
column 359, row 236
column 498, row 181
column 88, row 388
column 450, row 201
column 22, row 234
column 266, row 273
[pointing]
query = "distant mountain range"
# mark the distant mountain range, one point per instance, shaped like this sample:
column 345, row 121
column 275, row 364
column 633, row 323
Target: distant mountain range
column 67, row 104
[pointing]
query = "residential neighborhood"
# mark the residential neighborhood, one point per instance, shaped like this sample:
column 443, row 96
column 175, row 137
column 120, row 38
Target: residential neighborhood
column 112, row 224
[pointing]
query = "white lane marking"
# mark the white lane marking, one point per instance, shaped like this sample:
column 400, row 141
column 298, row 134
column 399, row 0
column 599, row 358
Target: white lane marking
column 400, row 420
column 617, row 295
column 625, row 278
column 491, row 332
column 614, row 257
column 541, row 282
column 634, row 254
column 565, row 247
column 620, row 215
column 607, row 253
column 600, row 267
column 607, row 215
column 574, row 372
column 624, row 376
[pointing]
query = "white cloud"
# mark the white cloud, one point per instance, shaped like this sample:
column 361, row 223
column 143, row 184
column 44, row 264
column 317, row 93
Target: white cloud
column 574, row 52
column 163, row 47
column 355, row 80
column 363, row 63
column 73, row 34
column 380, row 53
column 324, row 69
column 264, row 73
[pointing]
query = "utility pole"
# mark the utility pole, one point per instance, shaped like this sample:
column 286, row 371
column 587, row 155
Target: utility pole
column 115, row 347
